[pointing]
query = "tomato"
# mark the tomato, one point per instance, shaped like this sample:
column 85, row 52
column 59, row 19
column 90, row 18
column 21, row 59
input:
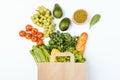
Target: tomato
column 34, row 31
column 40, row 42
column 22, row 33
column 28, row 36
column 28, row 27
column 34, row 38
column 40, row 35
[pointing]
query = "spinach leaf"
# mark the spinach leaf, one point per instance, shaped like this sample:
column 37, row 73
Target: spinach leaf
column 94, row 20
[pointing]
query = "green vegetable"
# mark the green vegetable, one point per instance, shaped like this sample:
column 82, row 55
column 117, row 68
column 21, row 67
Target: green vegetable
column 57, row 11
column 64, row 24
column 78, row 56
column 40, row 54
column 63, row 58
column 46, row 54
column 61, row 41
column 94, row 20
column 34, row 56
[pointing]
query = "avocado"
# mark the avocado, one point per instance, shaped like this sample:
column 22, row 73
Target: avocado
column 57, row 11
column 64, row 24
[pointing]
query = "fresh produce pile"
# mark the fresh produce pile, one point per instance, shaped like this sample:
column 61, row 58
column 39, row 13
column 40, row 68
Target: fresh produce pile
column 60, row 41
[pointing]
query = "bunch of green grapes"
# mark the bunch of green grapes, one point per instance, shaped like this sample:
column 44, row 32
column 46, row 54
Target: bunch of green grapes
column 43, row 18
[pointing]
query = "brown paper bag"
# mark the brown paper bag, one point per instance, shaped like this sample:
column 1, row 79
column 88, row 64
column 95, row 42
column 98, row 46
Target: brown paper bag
column 62, row 71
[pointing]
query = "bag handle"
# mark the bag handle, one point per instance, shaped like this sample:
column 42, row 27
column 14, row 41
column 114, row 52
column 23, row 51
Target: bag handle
column 62, row 54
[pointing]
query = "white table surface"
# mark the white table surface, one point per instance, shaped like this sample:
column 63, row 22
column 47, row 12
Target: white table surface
column 103, row 46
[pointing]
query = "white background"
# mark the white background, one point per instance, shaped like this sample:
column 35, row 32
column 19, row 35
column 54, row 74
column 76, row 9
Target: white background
column 103, row 46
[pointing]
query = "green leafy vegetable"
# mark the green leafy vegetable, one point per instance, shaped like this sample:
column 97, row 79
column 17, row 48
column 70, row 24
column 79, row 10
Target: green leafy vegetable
column 94, row 20
column 78, row 56
column 63, row 58
column 62, row 41
column 40, row 54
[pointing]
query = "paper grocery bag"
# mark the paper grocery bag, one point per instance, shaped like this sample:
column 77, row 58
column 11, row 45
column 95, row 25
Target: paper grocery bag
column 62, row 71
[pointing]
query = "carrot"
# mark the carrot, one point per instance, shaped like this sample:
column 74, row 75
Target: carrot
column 81, row 43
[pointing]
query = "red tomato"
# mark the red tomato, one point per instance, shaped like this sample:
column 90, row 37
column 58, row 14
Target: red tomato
column 22, row 33
column 34, row 31
column 34, row 38
column 28, row 27
column 28, row 36
column 40, row 42
column 40, row 35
